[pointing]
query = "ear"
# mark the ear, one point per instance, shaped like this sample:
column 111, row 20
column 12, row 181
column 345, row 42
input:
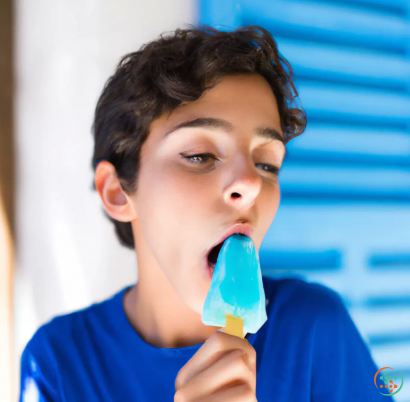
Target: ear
column 116, row 202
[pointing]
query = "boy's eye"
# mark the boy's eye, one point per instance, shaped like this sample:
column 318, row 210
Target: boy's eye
column 269, row 168
column 199, row 159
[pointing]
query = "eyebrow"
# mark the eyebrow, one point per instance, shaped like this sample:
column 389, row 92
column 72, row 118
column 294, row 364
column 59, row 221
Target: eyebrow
column 266, row 132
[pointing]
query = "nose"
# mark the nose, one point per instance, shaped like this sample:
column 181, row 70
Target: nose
column 245, row 185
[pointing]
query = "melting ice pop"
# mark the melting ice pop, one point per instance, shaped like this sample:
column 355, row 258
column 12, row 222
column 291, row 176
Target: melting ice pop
column 236, row 298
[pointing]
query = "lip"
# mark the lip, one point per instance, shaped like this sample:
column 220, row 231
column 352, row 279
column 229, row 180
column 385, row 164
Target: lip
column 239, row 228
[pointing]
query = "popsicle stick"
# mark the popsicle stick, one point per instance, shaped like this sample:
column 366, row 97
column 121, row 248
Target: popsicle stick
column 234, row 326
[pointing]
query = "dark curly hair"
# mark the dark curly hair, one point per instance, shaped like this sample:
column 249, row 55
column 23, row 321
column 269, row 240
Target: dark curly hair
column 173, row 69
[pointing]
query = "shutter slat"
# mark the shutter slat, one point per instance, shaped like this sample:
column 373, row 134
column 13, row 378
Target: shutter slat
column 351, row 65
column 345, row 178
column 354, row 104
column 329, row 22
column 400, row 6
column 382, row 321
column 352, row 140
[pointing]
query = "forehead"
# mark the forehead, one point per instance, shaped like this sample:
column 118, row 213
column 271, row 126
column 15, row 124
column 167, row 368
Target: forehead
column 247, row 101
column 238, row 91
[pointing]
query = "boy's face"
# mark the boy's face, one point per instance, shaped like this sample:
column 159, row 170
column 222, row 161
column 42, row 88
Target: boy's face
column 185, row 206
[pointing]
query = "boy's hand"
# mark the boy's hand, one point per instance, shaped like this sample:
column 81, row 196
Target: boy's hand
column 223, row 369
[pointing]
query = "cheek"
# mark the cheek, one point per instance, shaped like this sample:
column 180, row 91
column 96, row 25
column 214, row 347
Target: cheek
column 159, row 202
column 170, row 201
column 269, row 202
column 177, row 194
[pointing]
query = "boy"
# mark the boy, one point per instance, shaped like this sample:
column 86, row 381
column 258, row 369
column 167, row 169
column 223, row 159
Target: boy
column 190, row 136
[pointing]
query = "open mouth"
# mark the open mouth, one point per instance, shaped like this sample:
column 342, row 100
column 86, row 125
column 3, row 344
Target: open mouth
column 213, row 255
column 211, row 258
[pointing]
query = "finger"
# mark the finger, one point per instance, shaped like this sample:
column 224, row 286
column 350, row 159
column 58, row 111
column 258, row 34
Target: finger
column 237, row 393
column 212, row 350
column 232, row 368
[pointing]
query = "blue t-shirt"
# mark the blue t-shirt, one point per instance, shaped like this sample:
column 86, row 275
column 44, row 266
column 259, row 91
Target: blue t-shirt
column 308, row 350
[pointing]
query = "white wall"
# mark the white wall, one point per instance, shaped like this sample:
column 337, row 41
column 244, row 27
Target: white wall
column 67, row 252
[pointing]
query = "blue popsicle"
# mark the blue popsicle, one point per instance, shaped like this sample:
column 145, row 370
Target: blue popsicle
column 236, row 287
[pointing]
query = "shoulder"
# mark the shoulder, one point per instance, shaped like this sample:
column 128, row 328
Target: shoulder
column 304, row 304
column 72, row 328
column 63, row 343
column 317, row 310
column 297, row 307
column 300, row 294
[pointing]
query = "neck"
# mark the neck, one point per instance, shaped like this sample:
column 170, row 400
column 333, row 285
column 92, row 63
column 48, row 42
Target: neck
column 158, row 313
